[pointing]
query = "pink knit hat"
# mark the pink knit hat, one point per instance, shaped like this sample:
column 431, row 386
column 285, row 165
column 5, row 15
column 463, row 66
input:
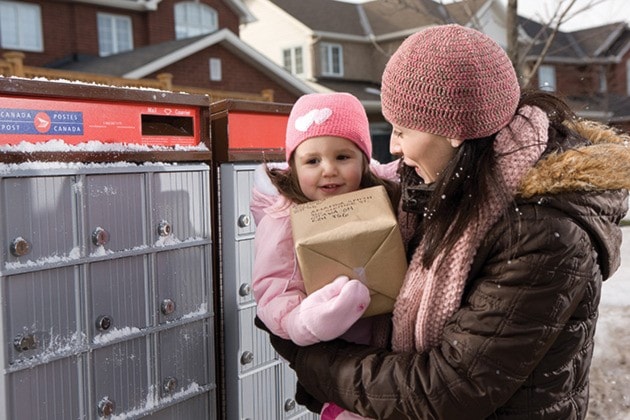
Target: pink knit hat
column 328, row 114
column 451, row 81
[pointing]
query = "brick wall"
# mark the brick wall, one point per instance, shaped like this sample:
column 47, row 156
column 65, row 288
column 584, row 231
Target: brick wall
column 238, row 75
column 70, row 29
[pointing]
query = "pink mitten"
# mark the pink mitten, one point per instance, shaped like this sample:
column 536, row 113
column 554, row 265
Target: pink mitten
column 328, row 312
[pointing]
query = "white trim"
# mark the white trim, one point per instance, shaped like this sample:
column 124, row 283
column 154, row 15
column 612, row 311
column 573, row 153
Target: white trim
column 594, row 114
column 329, row 36
column 240, row 8
column 125, row 4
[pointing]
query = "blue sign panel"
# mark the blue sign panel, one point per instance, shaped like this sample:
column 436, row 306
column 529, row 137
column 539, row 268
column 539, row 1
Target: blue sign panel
column 31, row 121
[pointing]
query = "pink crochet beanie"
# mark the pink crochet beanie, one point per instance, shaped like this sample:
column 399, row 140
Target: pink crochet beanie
column 328, row 114
column 451, row 81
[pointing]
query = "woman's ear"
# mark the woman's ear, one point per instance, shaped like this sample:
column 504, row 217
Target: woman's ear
column 455, row 143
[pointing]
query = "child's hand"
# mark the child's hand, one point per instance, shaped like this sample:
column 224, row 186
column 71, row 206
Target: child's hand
column 328, row 312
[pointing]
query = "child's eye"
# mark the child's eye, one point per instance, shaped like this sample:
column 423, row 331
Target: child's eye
column 343, row 157
column 312, row 161
column 397, row 133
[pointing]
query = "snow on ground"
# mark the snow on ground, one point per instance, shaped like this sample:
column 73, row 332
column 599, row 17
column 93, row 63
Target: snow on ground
column 610, row 371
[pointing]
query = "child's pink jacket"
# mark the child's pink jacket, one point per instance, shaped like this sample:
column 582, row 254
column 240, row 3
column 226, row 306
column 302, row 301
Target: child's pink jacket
column 277, row 282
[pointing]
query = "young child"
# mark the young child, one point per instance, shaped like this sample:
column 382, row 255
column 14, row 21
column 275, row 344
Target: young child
column 328, row 152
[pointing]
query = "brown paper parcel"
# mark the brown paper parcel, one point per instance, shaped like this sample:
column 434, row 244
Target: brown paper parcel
column 354, row 234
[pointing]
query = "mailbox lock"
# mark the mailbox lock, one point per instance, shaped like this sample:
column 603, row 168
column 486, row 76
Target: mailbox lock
column 106, row 407
column 24, row 342
column 100, row 236
column 164, row 228
column 245, row 289
column 104, row 322
column 19, row 247
column 243, row 220
column 167, row 307
column 247, row 357
column 289, row 405
column 169, row 384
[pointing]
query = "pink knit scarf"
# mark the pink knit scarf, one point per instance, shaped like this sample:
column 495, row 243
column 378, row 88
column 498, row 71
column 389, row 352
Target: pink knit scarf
column 430, row 296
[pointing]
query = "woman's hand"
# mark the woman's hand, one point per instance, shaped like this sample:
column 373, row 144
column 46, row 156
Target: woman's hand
column 287, row 349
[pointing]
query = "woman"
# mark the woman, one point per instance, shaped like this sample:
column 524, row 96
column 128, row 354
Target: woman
column 510, row 212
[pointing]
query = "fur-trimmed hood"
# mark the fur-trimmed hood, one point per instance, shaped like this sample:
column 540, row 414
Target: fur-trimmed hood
column 589, row 183
column 603, row 165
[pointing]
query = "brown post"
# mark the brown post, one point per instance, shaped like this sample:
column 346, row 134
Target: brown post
column 16, row 60
column 267, row 95
column 166, row 80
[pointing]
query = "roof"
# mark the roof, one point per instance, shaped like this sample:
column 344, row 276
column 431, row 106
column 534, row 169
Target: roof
column 325, row 15
column 376, row 18
column 143, row 61
column 600, row 43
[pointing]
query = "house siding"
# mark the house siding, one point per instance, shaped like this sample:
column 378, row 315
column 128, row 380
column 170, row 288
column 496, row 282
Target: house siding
column 272, row 33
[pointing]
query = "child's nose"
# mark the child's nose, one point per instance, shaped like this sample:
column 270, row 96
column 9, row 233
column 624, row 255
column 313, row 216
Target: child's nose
column 330, row 168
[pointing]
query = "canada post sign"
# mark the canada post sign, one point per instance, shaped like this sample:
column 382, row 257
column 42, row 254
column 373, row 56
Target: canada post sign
column 30, row 121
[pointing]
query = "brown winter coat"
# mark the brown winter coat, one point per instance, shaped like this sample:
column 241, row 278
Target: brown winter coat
column 521, row 344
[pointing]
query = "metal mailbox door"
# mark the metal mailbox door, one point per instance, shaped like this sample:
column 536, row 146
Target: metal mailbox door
column 180, row 205
column 41, row 315
column 115, row 212
column 259, row 395
column 182, row 283
column 185, row 359
column 47, row 392
column 200, row 407
column 38, row 214
column 121, row 378
column 118, row 291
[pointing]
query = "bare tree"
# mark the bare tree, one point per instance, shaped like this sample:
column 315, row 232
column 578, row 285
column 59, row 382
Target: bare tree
column 518, row 48
column 511, row 24
column 557, row 15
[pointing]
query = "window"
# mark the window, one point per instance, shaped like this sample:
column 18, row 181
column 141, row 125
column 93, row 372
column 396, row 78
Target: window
column 332, row 59
column 603, row 82
column 192, row 19
column 114, row 34
column 21, row 26
column 547, row 78
column 293, row 60
column 215, row 70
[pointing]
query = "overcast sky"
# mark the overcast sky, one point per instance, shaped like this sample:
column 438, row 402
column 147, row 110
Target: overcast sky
column 606, row 11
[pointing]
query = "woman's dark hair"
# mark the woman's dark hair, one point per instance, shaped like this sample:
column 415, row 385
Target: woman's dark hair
column 462, row 189
column 286, row 181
